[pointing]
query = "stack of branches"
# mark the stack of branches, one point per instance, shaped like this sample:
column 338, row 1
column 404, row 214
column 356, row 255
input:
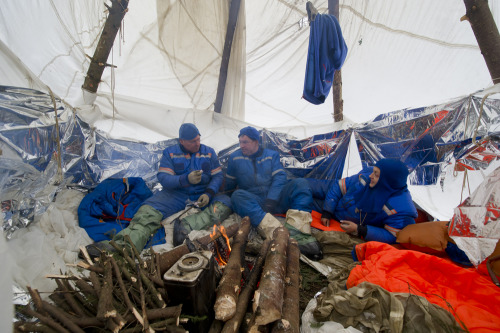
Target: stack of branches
column 275, row 305
column 119, row 293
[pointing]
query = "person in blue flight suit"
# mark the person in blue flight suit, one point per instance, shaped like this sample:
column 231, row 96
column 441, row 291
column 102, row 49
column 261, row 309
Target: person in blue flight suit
column 374, row 204
column 262, row 189
column 188, row 172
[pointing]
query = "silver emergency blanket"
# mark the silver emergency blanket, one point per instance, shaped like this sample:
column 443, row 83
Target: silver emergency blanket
column 475, row 225
column 37, row 151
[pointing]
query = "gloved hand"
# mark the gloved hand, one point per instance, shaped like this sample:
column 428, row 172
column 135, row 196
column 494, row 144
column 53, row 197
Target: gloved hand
column 194, row 177
column 203, row 200
column 270, row 205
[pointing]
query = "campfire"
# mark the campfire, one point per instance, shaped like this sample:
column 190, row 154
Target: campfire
column 220, row 246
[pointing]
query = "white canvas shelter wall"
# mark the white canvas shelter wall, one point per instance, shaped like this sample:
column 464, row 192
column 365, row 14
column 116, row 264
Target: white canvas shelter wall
column 402, row 53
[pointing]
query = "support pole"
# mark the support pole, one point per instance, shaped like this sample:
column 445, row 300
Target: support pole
column 338, row 102
column 486, row 31
column 98, row 61
column 234, row 9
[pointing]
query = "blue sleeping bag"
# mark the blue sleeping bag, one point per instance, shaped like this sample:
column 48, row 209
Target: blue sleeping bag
column 111, row 205
column 326, row 54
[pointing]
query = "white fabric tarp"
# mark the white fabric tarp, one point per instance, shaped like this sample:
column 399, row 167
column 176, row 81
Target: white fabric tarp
column 168, row 54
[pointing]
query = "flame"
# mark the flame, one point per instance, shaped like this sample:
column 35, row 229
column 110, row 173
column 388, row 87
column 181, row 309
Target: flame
column 219, row 235
column 224, row 234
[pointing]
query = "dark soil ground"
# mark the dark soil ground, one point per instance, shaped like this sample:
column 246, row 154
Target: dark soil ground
column 312, row 281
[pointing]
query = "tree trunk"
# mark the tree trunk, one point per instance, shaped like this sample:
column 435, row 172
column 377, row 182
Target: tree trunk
column 338, row 102
column 229, row 286
column 233, row 325
column 290, row 321
column 268, row 299
column 483, row 25
column 98, row 62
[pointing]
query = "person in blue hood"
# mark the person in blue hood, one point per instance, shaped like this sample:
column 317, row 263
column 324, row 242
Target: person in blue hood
column 374, row 204
column 262, row 189
column 189, row 173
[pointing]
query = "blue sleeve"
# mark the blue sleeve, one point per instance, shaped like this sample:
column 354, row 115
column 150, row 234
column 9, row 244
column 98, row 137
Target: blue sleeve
column 278, row 178
column 393, row 223
column 379, row 235
column 166, row 175
column 216, row 173
column 332, row 197
column 230, row 178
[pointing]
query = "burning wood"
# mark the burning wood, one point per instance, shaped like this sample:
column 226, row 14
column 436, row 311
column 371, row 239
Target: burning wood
column 220, row 246
column 168, row 259
column 233, row 324
column 229, row 286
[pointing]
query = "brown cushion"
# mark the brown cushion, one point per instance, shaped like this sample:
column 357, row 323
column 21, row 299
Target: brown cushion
column 432, row 234
column 495, row 265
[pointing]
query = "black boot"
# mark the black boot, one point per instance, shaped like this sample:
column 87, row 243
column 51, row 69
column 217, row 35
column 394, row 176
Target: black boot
column 181, row 231
column 94, row 250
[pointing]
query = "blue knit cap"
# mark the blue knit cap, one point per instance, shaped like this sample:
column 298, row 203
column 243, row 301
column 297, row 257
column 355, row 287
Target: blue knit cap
column 188, row 131
column 249, row 131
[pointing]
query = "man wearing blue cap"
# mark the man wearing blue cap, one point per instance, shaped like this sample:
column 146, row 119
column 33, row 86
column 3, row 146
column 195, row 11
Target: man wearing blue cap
column 189, row 172
column 263, row 190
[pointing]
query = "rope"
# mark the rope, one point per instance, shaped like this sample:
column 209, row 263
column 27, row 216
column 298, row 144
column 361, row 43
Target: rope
column 466, row 177
column 349, row 154
column 479, row 118
column 58, row 157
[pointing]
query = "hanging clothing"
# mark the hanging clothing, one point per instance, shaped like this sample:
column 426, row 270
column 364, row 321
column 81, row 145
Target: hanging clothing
column 326, row 54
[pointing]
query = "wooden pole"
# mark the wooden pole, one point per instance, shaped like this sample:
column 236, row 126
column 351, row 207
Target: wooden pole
column 486, row 31
column 234, row 9
column 338, row 102
column 98, row 61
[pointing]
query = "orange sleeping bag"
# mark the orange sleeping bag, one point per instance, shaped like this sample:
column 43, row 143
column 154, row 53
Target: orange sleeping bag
column 473, row 297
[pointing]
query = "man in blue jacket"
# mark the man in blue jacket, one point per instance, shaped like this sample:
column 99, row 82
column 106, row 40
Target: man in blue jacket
column 374, row 204
column 263, row 190
column 189, row 172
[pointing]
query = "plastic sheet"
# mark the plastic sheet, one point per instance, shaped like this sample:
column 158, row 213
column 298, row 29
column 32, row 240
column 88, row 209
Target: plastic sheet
column 475, row 225
column 427, row 139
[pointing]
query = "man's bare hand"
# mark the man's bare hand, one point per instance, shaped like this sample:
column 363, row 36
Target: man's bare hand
column 349, row 227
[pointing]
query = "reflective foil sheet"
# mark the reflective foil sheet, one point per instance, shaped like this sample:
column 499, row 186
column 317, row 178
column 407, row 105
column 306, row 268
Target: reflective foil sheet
column 39, row 157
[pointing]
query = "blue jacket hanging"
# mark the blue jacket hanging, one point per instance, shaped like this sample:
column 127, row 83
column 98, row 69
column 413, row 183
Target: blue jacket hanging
column 326, row 54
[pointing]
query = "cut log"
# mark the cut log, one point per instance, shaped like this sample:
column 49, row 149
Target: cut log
column 233, row 325
column 268, row 299
column 229, row 286
column 290, row 320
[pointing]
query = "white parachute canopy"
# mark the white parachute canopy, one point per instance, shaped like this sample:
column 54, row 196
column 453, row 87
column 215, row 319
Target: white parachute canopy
column 167, row 56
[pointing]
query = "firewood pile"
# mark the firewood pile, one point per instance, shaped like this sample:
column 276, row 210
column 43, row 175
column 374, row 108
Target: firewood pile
column 275, row 306
column 118, row 294
column 127, row 293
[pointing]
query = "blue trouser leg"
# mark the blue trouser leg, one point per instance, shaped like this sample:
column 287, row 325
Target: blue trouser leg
column 248, row 204
column 147, row 220
column 168, row 202
column 296, row 194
